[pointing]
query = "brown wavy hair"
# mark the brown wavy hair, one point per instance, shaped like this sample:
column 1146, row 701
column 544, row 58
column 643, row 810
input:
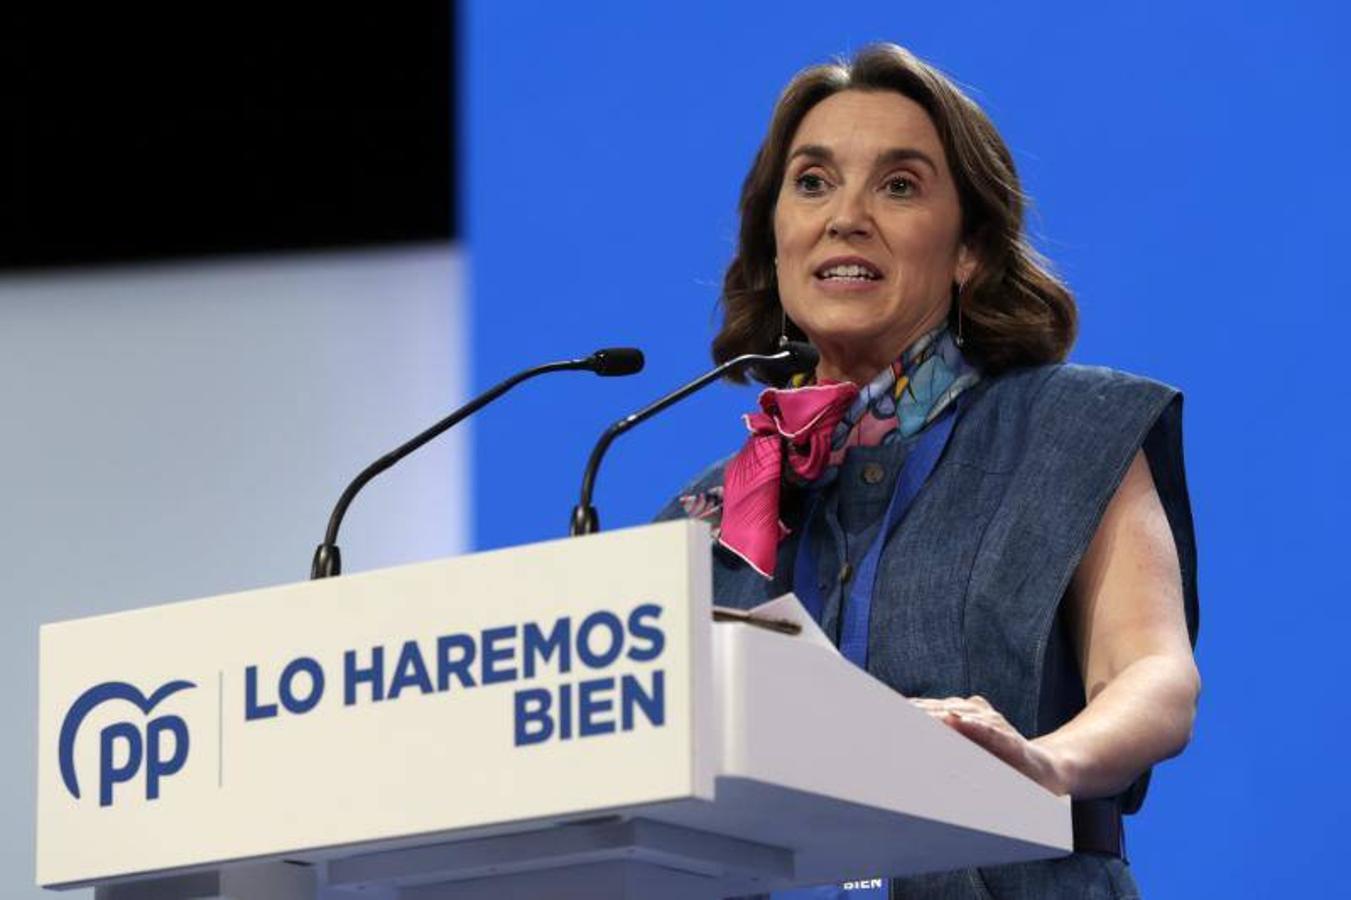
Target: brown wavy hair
column 1013, row 311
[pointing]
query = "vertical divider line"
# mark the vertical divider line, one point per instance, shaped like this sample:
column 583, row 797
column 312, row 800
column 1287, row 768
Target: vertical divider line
column 220, row 728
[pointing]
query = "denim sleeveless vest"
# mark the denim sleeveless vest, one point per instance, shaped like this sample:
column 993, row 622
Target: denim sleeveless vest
column 969, row 585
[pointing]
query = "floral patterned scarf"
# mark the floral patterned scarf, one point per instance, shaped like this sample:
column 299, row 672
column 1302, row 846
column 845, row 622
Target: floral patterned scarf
column 898, row 403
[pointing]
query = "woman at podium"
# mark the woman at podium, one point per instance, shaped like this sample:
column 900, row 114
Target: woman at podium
column 1001, row 536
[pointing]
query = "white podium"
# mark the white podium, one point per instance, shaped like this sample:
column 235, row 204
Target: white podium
column 560, row 720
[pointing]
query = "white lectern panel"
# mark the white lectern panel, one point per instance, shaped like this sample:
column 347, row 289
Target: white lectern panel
column 503, row 687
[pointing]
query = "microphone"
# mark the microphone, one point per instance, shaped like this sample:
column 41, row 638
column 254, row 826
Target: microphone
column 792, row 358
column 609, row 362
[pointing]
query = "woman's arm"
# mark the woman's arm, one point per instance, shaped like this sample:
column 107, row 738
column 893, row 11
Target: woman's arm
column 1125, row 614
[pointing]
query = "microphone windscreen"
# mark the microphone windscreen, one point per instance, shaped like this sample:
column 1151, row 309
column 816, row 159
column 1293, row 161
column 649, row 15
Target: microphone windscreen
column 801, row 359
column 617, row 361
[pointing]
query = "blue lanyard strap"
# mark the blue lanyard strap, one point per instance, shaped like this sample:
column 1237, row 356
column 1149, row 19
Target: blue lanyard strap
column 857, row 613
column 915, row 471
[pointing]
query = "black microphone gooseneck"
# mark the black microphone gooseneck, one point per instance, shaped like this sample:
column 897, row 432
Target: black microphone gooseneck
column 611, row 361
column 794, row 357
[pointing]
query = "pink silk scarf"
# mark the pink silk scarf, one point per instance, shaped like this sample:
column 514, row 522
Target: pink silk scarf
column 811, row 428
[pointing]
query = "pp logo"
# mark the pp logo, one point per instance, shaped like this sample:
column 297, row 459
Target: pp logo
column 122, row 748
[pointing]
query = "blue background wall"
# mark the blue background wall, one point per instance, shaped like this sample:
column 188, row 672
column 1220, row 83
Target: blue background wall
column 1188, row 168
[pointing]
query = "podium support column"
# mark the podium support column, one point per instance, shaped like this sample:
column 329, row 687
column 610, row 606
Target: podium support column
column 248, row 881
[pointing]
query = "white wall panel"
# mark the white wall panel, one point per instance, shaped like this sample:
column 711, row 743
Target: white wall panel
column 183, row 430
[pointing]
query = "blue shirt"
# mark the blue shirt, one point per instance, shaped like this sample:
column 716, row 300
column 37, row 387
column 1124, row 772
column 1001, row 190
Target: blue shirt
column 969, row 585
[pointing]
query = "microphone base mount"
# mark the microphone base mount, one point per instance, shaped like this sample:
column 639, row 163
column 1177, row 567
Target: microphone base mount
column 327, row 562
column 584, row 520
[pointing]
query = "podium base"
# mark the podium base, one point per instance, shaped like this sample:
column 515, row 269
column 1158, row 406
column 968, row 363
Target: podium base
column 597, row 881
column 257, row 881
column 606, row 858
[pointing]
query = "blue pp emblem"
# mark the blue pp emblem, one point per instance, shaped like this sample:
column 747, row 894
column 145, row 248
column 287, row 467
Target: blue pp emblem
column 127, row 739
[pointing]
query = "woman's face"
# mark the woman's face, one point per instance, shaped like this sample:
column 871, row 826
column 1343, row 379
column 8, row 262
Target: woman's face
column 867, row 227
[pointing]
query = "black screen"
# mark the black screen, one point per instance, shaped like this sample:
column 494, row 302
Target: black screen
column 209, row 129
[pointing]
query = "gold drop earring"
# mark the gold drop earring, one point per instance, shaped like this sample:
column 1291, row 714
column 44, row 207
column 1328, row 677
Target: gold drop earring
column 783, row 314
column 957, row 308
